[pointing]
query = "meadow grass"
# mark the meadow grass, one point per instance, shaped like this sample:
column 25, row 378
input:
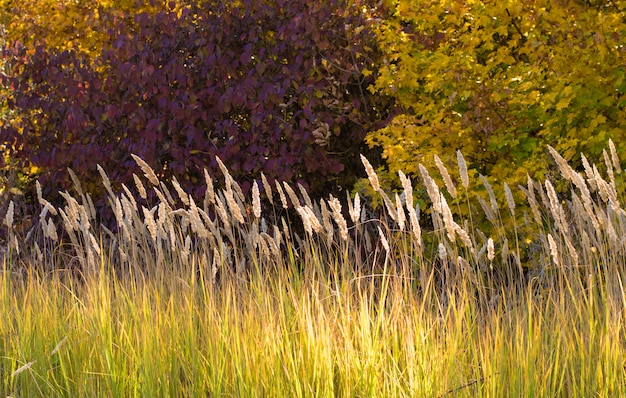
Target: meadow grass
column 291, row 297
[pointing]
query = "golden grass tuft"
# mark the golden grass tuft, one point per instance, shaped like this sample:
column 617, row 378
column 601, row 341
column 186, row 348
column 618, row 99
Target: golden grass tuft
column 182, row 300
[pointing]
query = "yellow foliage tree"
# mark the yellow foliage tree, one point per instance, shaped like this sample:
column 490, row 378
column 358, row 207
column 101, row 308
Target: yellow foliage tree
column 67, row 24
column 500, row 81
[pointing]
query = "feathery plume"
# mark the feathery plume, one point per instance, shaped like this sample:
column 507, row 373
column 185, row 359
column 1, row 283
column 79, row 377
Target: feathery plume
column 492, row 195
column 462, row 169
column 51, row 231
column 76, row 182
column 448, row 220
column 614, row 157
column 328, row 225
column 554, row 251
column 149, row 223
column 491, row 252
column 400, row 212
column 281, row 194
column 305, row 195
column 446, row 176
column 105, row 181
column 415, row 226
column 292, row 195
column 256, row 200
column 565, row 168
column 267, row 188
column 532, row 201
column 341, row 222
column 431, row 188
column 147, row 170
column 383, row 240
column 609, row 167
column 209, row 196
column 355, row 209
column 509, row 198
column 441, row 249
column 589, row 172
column 140, row 188
column 8, row 219
column 179, row 190
column 408, row 189
column 371, row 174
column 233, row 206
column 227, row 177
column 391, row 207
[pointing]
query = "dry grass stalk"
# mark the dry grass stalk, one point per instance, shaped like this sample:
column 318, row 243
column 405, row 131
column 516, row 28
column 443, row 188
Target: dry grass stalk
column 147, row 170
column 446, row 176
column 371, row 174
column 256, row 200
column 462, row 169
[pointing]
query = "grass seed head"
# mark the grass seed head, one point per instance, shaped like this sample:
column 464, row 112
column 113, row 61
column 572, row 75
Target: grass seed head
column 462, row 169
column 147, row 170
column 371, row 174
column 446, row 176
column 8, row 219
column 256, row 200
column 614, row 157
column 267, row 188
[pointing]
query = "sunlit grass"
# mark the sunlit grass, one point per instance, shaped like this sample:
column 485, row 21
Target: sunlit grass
column 188, row 300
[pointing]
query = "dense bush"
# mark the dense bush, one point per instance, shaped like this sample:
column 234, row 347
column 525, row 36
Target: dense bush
column 500, row 82
column 273, row 86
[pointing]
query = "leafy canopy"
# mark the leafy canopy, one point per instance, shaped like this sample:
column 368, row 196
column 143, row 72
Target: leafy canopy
column 500, row 81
